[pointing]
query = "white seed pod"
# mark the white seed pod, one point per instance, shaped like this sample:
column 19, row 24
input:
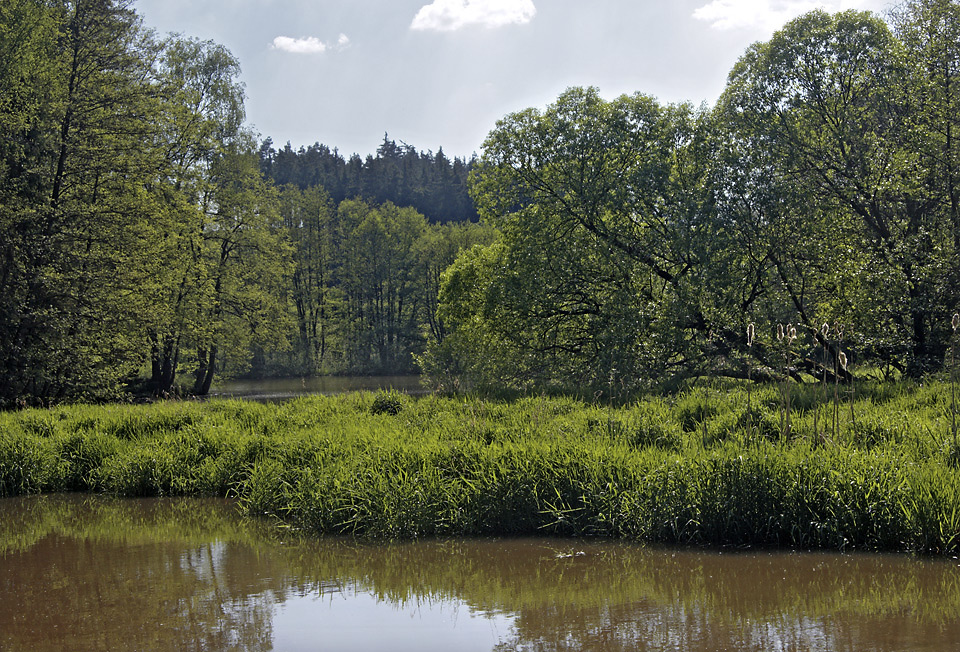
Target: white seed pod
column 843, row 360
column 779, row 331
column 751, row 331
column 955, row 322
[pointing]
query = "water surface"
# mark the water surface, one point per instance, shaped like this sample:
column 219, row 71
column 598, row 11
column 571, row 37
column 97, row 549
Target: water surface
column 88, row 573
column 280, row 389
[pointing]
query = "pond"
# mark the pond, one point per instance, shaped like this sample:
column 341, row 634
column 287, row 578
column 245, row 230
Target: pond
column 93, row 573
column 281, row 389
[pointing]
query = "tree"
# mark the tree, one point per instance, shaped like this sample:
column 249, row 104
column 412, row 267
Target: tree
column 202, row 119
column 436, row 251
column 930, row 32
column 311, row 222
column 365, row 282
column 604, row 232
column 828, row 101
column 245, row 262
column 77, row 238
column 383, row 302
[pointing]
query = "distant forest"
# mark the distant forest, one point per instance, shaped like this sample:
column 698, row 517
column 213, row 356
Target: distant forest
column 149, row 240
column 806, row 225
column 370, row 240
column 433, row 184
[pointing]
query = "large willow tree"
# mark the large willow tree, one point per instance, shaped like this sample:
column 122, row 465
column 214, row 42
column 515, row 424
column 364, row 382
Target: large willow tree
column 597, row 276
column 639, row 240
column 855, row 206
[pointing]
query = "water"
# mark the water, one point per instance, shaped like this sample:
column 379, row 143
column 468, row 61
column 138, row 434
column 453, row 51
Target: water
column 280, row 389
column 87, row 573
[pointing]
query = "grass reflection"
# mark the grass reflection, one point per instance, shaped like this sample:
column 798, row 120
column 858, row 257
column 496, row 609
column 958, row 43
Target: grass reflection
column 215, row 580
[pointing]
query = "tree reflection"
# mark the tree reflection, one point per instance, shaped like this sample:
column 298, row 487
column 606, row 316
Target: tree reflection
column 101, row 574
column 105, row 576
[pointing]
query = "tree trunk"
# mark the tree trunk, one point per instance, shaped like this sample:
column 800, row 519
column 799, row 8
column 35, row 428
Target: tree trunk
column 201, row 373
column 163, row 365
column 202, row 387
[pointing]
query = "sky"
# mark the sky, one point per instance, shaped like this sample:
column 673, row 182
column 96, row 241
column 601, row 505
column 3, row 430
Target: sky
column 440, row 73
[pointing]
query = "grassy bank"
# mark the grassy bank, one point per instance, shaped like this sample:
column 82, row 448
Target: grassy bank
column 690, row 468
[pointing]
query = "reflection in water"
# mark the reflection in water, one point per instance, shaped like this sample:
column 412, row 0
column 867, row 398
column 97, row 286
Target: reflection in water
column 355, row 619
column 280, row 389
column 85, row 573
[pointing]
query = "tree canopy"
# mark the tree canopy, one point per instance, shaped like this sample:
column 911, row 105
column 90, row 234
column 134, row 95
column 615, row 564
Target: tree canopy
column 638, row 240
column 140, row 237
column 148, row 236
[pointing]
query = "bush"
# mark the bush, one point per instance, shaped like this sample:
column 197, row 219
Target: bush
column 388, row 402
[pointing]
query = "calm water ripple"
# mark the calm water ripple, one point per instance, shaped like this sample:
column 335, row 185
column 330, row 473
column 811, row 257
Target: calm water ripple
column 89, row 573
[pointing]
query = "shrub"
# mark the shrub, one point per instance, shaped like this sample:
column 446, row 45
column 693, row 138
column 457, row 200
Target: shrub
column 388, row 402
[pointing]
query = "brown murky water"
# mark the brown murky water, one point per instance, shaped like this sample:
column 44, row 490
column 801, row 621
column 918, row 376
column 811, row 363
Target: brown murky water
column 83, row 573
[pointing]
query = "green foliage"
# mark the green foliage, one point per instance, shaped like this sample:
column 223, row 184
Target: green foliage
column 430, row 183
column 133, row 216
column 636, row 237
column 75, row 208
column 366, row 282
column 595, row 245
column 625, row 243
column 229, row 261
column 387, row 402
column 830, row 110
column 680, row 469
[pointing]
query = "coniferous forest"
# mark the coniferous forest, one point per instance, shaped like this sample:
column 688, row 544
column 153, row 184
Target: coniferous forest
column 149, row 240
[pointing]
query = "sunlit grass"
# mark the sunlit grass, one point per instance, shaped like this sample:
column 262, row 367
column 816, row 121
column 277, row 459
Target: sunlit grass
column 679, row 468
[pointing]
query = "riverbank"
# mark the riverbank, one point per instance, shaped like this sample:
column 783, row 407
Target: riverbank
column 694, row 468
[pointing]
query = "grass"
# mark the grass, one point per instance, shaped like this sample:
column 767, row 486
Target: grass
column 675, row 469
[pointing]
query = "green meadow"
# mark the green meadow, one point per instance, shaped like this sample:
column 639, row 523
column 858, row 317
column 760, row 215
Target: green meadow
column 876, row 469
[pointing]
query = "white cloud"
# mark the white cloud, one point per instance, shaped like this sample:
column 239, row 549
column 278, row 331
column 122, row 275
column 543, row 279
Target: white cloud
column 769, row 15
column 450, row 15
column 307, row 45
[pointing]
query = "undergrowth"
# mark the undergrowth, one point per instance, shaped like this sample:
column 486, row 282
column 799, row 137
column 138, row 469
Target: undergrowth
column 680, row 468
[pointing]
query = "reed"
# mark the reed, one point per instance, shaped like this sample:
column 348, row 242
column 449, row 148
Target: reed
column 786, row 335
column 692, row 468
column 954, row 324
column 838, row 330
column 824, row 337
column 751, row 334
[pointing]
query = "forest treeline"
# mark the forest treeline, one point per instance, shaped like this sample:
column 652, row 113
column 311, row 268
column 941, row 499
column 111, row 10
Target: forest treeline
column 818, row 200
column 433, row 184
column 149, row 236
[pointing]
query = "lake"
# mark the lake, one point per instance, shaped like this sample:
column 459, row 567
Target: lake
column 82, row 572
column 281, row 389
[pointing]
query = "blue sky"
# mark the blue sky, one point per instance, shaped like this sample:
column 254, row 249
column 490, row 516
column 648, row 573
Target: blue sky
column 440, row 73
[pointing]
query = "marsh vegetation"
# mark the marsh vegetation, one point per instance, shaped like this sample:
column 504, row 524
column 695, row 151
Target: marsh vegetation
column 688, row 467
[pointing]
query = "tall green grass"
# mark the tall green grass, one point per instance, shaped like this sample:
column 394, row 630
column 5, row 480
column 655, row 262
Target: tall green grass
column 679, row 468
